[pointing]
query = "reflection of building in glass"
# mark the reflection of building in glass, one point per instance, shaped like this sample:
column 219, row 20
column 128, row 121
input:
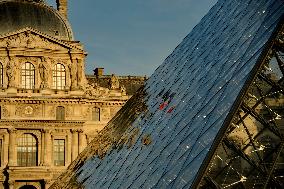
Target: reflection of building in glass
column 211, row 116
column 49, row 109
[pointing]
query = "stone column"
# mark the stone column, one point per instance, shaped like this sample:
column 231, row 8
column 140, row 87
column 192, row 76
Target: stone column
column 69, row 149
column 47, row 148
column 82, row 141
column 74, row 144
column 5, row 150
column 12, row 146
column 42, row 149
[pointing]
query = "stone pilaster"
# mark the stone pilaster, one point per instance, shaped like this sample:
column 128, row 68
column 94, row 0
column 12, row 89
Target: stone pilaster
column 69, row 149
column 5, row 150
column 82, row 141
column 42, row 148
column 47, row 148
column 12, row 146
column 74, row 144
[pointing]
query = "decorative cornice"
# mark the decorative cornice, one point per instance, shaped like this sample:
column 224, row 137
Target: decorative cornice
column 62, row 100
column 42, row 121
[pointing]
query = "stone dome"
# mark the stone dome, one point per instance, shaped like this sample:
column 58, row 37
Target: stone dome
column 19, row 14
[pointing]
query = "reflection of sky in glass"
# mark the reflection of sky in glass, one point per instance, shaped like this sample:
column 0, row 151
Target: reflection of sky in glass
column 188, row 98
column 273, row 67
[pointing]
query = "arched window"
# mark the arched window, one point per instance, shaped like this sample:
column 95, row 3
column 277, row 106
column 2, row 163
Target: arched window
column 27, row 150
column 59, row 77
column 1, row 74
column 96, row 114
column 60, row 113
column 28, row 76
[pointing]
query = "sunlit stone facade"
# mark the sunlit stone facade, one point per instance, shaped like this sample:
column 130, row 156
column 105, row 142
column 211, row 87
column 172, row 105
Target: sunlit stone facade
column 49, row 110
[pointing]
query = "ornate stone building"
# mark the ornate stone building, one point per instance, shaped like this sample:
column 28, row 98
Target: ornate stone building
column 49, row 109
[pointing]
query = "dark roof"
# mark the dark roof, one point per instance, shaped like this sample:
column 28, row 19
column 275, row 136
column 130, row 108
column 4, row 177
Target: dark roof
column 164, row 133
column 15, row 15
column 131, row 83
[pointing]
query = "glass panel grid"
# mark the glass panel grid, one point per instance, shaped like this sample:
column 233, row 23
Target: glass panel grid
column 182, row 118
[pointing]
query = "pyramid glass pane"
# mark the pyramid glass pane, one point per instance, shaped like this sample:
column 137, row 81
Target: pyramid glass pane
column 162, row 136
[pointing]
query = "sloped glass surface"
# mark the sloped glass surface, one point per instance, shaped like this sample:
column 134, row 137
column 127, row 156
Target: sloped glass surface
column 250, row 154
column 187, row 100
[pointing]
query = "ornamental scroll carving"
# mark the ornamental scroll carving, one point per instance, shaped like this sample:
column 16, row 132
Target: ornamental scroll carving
column 5, row 111
column 93, row 90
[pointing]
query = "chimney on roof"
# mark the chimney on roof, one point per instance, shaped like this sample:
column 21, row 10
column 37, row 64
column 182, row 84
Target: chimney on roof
column 62, row 7
column 99, row 71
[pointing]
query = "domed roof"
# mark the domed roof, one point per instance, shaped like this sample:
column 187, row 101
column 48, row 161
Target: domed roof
column 15, row 15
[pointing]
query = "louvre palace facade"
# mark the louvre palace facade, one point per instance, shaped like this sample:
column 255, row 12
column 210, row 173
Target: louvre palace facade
column 50, row 110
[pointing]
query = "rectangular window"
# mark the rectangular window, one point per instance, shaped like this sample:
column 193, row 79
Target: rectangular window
column 60, row 113
column 96, row 114
column 59, row 152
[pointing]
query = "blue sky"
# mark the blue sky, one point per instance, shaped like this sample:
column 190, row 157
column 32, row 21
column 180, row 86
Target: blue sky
column 132, row 37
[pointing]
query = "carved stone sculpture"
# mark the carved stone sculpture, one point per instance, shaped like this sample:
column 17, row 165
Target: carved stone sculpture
column 43, row 72
column 73, row 75
column 113, row 82
column 10, row 74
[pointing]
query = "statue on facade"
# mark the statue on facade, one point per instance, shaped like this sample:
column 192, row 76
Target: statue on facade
column 113, row 82
column 123, row 89
column 43, row 73
column 10, row 74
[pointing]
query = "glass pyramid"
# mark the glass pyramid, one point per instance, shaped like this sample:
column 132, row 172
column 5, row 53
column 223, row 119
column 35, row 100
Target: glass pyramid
column 209, row 117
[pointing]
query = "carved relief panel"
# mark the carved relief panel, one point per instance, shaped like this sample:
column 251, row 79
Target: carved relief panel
column 28, row 110
column 29, row 39
column 5, row 111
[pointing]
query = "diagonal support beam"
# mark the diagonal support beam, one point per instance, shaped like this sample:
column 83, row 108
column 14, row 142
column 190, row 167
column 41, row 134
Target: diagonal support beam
column 274, row 165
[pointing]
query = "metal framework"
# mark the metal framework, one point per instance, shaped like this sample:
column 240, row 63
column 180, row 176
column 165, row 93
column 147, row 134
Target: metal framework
column 250, row 153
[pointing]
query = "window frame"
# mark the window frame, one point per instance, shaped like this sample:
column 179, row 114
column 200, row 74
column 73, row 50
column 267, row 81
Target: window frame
column 27, row 76
column 59, row 77
column 96, row 114
column 58, row 153
column 27, row 150
column 60, row 113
